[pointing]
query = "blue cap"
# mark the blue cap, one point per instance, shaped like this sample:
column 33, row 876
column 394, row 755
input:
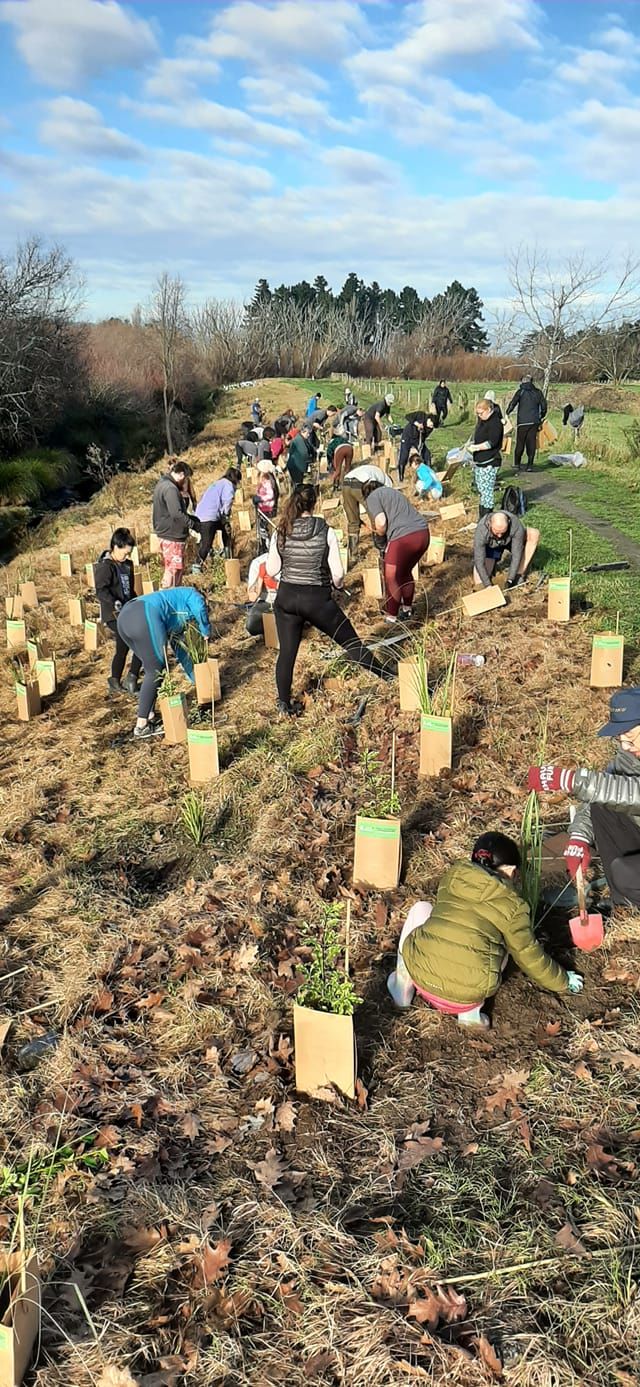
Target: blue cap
column 624, row 713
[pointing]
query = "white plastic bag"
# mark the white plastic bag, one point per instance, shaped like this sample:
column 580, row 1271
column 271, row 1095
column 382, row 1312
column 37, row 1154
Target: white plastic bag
column 568, row 459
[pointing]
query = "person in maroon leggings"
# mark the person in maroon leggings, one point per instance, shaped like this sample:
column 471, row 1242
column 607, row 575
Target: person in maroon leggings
column 402, row 534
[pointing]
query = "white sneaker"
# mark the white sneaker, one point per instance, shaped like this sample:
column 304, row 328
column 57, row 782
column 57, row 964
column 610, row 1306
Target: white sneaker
column 391, row 620
column 474, row 1018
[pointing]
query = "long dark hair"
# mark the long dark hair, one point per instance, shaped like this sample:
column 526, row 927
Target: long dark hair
column 494, row 850
column 304, row 498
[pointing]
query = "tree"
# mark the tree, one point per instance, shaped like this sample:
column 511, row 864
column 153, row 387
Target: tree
column 170, row 323
column 561, row 307
column 464, row 306
column 261, row 295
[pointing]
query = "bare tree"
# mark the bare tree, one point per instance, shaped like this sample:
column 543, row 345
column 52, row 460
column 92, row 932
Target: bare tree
column 613, row 353
column 219, row 336
column 168, row 317
column 440, row 326
column 559, row 307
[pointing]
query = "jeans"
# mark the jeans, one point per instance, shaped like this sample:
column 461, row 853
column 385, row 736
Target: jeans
column 526, row 438
column 120, row 655
column 618, row 842
column 297, row 603
column 400, row 558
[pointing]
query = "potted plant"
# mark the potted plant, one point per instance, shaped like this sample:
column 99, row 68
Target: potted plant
column 27, row 691
column 206, row 671
column 325, row 1049
column 378, row 843
column 559, row 595
column 173, row 709
column 436, row 715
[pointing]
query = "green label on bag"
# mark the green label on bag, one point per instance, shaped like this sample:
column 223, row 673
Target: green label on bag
column 559, row 584
column 196, row 738
column 437, row 542
column 16, row 628
column 175, row 701
column 21, row 689
column 607, row 642
column 429, row 724
column 91, row 626
column 45, row 667
column 378, row 828
column 32, row 649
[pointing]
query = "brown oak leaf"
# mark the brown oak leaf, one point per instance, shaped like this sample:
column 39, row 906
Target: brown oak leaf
column 568, row 1241
column 488, row 1355
column 212, row 1264
column 508, row 1087
column 190, row 1126
column 626, row 1059
column 285, row 1117
column 270, row 1171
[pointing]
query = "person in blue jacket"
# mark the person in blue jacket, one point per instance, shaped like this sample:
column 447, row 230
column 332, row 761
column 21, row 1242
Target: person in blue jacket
column 314, row 404
column 151, row 624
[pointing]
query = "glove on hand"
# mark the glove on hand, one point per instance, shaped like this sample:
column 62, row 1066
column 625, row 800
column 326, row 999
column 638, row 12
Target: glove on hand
column 380, row 542
column 549, row 778
column 575, row 981
column 577, row 854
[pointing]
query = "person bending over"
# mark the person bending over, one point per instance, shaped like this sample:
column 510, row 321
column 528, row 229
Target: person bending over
column 373, row 417
column 427, row 483
column 413, row 439
column 352, row 498
column 341, row 463
column 497, row 534
column 301, row 455
column 487, row 455
column 532, row 408
column 402, row 535
column 261, row 591
column 304, row 554
column 453, row 953
column 114, row 588
column 214, row 512
column 150, row 626
column 609, row 815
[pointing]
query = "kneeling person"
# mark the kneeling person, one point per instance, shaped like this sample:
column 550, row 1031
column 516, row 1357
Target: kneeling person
column 496, row 534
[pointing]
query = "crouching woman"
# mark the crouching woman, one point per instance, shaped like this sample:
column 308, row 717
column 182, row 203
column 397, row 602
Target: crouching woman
column 453, row 953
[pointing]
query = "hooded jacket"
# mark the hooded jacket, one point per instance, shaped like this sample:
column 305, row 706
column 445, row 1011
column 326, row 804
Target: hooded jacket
column 169, row 516
column 532, row 405
column 167, row 613
column 300, row 455
column 616, row 788
column 478, row 917
column 109, row 585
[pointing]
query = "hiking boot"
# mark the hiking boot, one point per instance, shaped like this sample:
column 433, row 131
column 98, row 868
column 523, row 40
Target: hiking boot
column 146, row 734
column 114, row 686
column 405, row 614
column 130, row 684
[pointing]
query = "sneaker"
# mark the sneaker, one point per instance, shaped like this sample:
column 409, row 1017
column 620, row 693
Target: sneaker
column 474, row 1018
column 130, row 684
column 528, row 469
column 196, row 568
column 114, row 686
column 405, row 614
column 146, row 734
column 287, row 710
column 391, row 620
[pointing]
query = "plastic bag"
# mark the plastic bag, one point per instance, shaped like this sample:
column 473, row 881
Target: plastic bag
column 568, row 459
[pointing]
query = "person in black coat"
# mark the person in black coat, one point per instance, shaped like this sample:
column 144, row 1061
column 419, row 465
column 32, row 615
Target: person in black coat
column 414, row 439
column 115, row 586
column 441, row 399
column 532, row 408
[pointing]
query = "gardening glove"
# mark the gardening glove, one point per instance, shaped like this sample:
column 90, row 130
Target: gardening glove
column 117, row 607
column 575, row 982
column 550, row 778
column 577, row 854
column 380, row 542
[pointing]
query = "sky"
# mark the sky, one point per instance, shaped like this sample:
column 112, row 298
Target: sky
column 413, row 141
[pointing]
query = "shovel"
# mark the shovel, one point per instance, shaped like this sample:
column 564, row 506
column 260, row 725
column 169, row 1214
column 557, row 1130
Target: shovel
column 587, row 931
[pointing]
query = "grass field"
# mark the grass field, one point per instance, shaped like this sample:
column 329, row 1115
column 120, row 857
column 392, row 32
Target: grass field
column 473, row 1216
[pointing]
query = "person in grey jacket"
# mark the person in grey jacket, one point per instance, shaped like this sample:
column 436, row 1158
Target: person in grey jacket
column 170, row 521
column 609, row 816
column 532, row 408
column 495, row 534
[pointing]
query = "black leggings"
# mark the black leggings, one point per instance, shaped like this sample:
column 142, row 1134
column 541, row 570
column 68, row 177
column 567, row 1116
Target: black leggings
column 526, row 438
column 208, row 532
column 296, row 604
column 618, row 842
column 132, row 626
column 120, row 656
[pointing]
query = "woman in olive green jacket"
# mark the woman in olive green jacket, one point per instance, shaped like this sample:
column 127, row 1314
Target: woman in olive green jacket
column 453, row 954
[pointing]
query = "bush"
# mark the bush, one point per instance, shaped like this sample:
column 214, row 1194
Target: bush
column 29, row 477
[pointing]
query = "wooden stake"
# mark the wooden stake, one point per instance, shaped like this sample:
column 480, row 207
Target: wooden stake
column 570, row 553
column 617, row 623
column 347, row 940
column 393, row 764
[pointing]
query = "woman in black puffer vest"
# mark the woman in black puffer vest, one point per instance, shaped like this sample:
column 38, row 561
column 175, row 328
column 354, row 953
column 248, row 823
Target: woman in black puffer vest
column 304, row 555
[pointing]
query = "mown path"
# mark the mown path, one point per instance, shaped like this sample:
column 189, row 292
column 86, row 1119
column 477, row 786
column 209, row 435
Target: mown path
column 551, row 492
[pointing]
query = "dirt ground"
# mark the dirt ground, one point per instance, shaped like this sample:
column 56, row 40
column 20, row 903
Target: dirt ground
column 473, row 1215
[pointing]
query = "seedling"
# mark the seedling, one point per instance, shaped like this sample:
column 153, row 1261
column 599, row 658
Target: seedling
column 194, row 817
column 194, row 644
column 380, row 799
column 531, row 834
column 168, row 686
column 328, row 987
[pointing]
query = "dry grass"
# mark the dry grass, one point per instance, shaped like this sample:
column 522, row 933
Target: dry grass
column 166, row 971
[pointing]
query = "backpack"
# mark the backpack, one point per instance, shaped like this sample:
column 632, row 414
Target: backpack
column 514, row 500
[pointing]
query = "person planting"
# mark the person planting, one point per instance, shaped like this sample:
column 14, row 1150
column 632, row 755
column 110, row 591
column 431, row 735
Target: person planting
column 149, row 626
column 304, row 555
column 487, row 455
column 213, row 512
column 261, row 591
column 453, row 953
column 114, row 579
column 402, row 535
column 266, row 502
column 495, row 535
column 373, row 417
column 301, row 455
column 427, row 483
column 413, row 439
column 609, row 815
column 352, row 497
column 170, row 521
column 341, row 463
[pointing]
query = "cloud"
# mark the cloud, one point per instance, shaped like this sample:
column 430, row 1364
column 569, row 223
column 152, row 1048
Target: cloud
column 174, row 78
column 598, row 70
column 271, row 97
column 441, row 32
column 361, row 168
column 76, row 126
column 67, row 42
column 221, row 122
column 608, row 150
column 285, row 29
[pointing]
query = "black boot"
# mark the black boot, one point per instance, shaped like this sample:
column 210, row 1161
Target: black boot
column 353, row 548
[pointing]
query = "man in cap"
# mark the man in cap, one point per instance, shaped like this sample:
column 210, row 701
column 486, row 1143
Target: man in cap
column 609, row 817
column 373, row 417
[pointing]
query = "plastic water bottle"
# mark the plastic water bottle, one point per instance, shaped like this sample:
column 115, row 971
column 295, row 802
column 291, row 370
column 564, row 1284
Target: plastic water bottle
column 464, row 661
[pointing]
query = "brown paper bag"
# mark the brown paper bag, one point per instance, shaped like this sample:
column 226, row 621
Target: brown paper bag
column 559, row 600
column 34, row 651
column 365, row 452
column 505, row 446
column 204, row 764
column 66, row 566
column 436, row 550
column 453, row 512
column 91, row 636
column 45, row 672
column 154, row 543
column 330, row 505
column 547, row 434
column 90, row 575
column 372, row 584
column 244, row 521
column 232, row 573
column 344, row 556
column 76, row 611
column 607, row 657
column 148, row 586
column 435, row 744
column 325, row 1052
column 16, row 635
column 207, row 681
column 135, row 556
column 14, row 607
column 29, row 594
column 138, row 582
column 20, row 1323
column 387, row 449
column 377, row 853
column 408, row 686
column 28, row 696
column 485, row 600
column 174, row 719
column 270, row 631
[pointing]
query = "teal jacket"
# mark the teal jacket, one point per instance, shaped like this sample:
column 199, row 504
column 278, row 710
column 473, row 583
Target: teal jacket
column 167, row 613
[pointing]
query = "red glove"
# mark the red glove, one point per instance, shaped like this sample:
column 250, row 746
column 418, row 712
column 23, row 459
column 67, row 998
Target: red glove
column 549, row 778
column 577, row 854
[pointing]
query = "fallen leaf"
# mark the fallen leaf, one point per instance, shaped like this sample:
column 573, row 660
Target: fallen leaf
column 143, row 1239
column 243, row 1061
column 319, row 1363
column 116, row 1377
column 136, row 1113
column 425, row 1310
column 601, row 1160
column 362, row 1095
column 381, row 914
column 190, row 1126
column 621, row 973
column 508, row 1087
column 5, row 1027
column 567, row 1240
column 626, row 1059
column 212, row 1057
column 289, row 1297
column 283, row 1050
column 472, row 1149
column 270, row 1171
column 245, row 957
column 108, row 1137
column 104, row 1000
column 285, row 1117
column 442, row 1304
column 553, row 1027
column 488, row 1355
column 412, row 1370
column 583, row 1072
column 152, row 999
column 525, row 1132
column 213, row 1263
column 417, row 1150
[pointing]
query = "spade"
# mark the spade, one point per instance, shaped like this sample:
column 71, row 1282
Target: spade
column 587, row 931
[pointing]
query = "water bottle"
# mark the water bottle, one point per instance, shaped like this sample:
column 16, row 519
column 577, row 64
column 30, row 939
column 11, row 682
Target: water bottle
column 464, row 661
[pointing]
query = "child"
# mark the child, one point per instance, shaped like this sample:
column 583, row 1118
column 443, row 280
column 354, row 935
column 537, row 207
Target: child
column 266, row 502
column 453, row 953
column 115, row 585
column 427, row 483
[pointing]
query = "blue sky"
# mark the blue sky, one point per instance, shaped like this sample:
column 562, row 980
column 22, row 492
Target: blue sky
column 413, row 142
